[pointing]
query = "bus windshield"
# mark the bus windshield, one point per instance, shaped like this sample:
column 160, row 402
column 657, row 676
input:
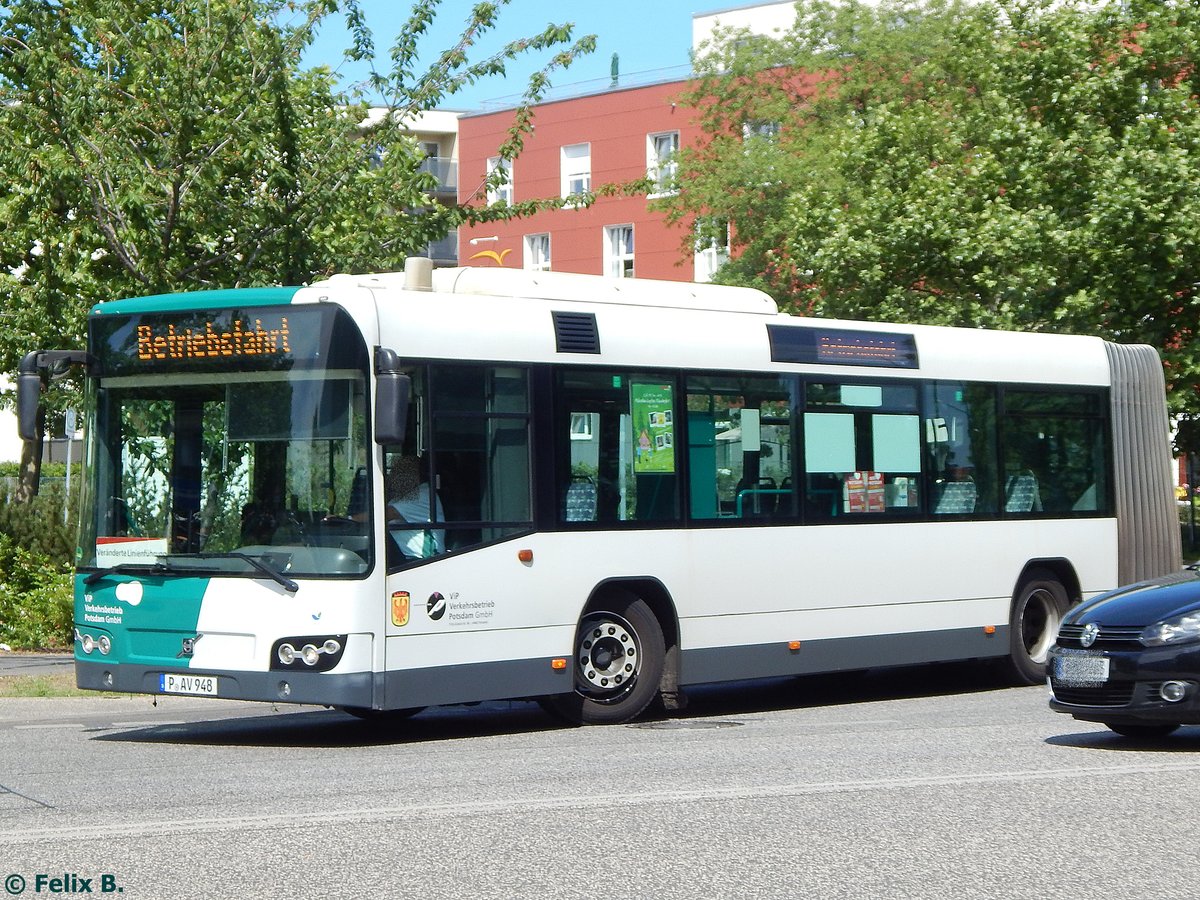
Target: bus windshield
column 235, row 470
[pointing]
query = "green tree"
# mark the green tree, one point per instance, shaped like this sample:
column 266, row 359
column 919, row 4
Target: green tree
column 162, row 145
column 1031, row 166
column 773, row 110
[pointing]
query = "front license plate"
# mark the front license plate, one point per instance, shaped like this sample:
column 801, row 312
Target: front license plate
column 172, row 683
column 1081, row 671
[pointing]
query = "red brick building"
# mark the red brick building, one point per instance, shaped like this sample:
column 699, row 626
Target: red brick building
column 578, row 144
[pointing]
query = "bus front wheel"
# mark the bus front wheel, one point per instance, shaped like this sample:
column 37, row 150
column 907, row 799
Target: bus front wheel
column 1037, row 612
column 619, row 650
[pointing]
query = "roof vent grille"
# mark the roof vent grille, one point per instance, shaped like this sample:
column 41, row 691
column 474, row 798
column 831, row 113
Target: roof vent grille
column 576, row 332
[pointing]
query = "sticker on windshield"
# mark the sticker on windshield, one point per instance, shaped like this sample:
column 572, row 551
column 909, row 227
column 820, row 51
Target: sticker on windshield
column 113, row 551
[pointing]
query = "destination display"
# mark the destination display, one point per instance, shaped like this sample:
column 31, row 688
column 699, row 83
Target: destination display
column 842, row 347
column 253, row 339
column 211, row 339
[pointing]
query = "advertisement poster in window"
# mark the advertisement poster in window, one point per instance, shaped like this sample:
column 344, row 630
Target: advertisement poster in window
column 865, row 492
column 653, row 428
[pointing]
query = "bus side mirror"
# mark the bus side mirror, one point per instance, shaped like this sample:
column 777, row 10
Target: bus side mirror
column 393, row 389
column 55, row 363
column 29, row 397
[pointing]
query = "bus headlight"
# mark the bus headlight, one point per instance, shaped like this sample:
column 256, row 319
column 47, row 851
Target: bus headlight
column 317, row 653
column 89, row 643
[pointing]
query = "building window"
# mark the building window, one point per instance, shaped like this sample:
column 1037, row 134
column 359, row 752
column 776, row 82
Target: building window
column 576, row 169
column 582, row 426
column 537, row 252
column 712, row 247
column 661, row 165
column 502, row 192
column 618, row 251
column 761, row 131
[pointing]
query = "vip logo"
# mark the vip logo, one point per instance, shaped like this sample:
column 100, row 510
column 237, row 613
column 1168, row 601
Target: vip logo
column 436, row 607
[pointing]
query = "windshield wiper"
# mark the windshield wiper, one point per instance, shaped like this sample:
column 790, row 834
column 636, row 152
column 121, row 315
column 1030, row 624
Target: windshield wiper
column 278, row 577
column 132, row 568
column 162, row 568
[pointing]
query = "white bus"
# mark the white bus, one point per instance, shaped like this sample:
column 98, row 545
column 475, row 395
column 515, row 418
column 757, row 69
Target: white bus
column 386, row 492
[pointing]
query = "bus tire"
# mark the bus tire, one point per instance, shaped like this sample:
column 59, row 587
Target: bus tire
column 1037, row 613
column 618, row 663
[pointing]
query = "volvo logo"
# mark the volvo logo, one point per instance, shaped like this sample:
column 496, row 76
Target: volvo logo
column 1091, row 631
column 188, row 648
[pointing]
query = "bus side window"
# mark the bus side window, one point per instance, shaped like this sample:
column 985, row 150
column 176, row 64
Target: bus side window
column 470, row 436
column 960, row 448
column 616, row 437
column 1054, row 452
column 862, row 450
column 740, row 460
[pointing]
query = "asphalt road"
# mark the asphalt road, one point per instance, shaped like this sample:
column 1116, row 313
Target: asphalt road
column 22, row 663
column 929, row 784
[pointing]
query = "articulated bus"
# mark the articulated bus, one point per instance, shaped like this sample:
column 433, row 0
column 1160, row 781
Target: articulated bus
column 387, row 492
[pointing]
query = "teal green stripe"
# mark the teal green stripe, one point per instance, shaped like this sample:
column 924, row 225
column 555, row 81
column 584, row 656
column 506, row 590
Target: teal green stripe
column 150, row 633
column 231, row 298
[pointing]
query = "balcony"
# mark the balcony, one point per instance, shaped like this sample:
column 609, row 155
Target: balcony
column 445, row 170
column 445, row 251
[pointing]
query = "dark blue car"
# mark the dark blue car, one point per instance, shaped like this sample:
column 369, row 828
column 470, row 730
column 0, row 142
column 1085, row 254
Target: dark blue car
column 1130, row 658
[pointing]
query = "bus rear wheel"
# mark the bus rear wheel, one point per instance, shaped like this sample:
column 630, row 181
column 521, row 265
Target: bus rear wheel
column 1036, row 615
column 619, row 650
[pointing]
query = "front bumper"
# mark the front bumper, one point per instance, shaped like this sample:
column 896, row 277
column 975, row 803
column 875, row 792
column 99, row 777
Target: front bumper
column 355, row 689
column 1131, row 691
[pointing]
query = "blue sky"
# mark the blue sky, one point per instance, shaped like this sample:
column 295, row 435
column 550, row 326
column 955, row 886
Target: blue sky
column 646, row 34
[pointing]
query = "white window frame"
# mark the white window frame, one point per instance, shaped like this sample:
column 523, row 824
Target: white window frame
column 503, row 192
column 576, row 168
column 662, row 167
column 619, row 255
column 536, row 252
column 581, row 426
column 711, row 253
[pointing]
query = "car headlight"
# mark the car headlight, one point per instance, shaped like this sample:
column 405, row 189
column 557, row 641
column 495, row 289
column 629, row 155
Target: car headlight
column 1173, row 631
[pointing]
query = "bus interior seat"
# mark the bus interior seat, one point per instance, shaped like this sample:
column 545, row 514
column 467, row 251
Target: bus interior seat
column 580, row 502
column 956, row 497
column 785, row 503
column 757, row 499
column 1021, row 494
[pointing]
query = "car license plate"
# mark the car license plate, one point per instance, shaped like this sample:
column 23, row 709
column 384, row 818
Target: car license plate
column 1081, row 671
column 173, row 683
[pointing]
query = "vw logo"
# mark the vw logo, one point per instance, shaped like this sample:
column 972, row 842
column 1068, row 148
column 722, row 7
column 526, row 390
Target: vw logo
column 1091, row 631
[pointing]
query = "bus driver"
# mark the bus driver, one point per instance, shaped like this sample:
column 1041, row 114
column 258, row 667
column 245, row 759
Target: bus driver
column 411, row 503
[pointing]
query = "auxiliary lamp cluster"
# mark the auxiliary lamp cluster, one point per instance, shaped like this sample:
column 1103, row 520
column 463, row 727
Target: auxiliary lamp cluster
column 88, row 643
